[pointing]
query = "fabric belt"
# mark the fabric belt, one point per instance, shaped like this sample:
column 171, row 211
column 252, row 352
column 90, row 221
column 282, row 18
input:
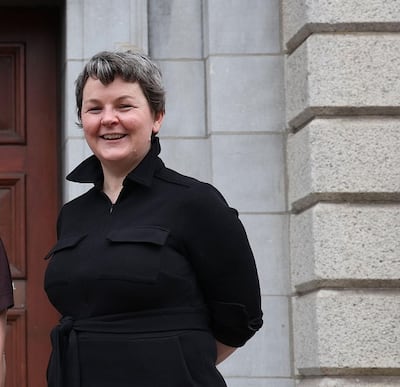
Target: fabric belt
column 64, row 337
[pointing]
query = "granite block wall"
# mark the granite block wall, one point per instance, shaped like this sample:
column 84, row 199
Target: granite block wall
column 223, row 68
column 341, row 72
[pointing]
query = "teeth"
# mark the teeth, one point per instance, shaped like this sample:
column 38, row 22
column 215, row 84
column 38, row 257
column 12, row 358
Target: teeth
column 113, row 136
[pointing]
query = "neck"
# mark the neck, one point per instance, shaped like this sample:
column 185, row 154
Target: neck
column 112, row 185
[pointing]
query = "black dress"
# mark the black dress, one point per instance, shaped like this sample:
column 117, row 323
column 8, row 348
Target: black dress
column 146, row 285
column 6, row 291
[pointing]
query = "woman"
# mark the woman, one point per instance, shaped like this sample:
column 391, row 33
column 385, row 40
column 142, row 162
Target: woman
column 152, row 272
column 6, row 302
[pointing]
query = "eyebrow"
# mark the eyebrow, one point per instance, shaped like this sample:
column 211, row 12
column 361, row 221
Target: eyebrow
column 95, row 100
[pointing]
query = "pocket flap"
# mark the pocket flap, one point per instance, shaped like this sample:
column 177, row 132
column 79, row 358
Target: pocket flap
column 65, row 243
column 150, row 234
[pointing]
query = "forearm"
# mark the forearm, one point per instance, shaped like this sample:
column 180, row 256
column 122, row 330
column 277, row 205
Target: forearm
column 3, row 370
column 3, row 327
column 223, row 351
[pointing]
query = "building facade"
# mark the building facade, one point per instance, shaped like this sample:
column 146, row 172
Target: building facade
column 291, row 109
column 223, row 68
column 342, row 82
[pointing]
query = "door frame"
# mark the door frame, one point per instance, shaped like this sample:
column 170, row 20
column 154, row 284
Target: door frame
column 35, row 190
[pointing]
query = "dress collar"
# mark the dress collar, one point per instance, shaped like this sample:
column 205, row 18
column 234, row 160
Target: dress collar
column 90, row 171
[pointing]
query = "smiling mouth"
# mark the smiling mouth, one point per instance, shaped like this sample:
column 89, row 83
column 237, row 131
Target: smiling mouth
column 112, row 136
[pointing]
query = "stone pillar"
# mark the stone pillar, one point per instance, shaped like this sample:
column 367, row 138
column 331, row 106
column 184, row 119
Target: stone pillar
column 92, row 26
column 223, row 69
column 343, row 106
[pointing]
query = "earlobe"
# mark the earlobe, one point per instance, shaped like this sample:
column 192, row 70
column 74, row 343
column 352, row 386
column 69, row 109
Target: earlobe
column 156, row 128
column 157, row 122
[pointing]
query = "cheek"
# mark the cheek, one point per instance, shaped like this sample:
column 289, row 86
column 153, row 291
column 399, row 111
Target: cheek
column 89, row 134
column 89, row 125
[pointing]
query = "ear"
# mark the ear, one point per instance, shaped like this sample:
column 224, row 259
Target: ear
column 157, row 122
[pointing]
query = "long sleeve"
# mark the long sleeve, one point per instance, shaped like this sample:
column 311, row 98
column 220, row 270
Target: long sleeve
column 219, row 251
column 6, row 292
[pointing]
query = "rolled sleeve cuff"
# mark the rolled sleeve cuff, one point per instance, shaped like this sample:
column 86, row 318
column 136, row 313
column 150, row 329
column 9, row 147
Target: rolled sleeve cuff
column 232, row 325
column 6, row 301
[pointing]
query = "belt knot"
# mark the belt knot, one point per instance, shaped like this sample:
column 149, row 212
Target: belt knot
column 66, row 325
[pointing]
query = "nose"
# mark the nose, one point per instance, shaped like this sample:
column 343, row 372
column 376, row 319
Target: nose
column 108, row 117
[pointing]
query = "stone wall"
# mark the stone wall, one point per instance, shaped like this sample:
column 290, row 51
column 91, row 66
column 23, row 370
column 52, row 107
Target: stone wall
column 223, row 68
column 342, row 94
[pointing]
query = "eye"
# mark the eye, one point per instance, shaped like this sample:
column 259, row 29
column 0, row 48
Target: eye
column 125, row 107
column 93, row 109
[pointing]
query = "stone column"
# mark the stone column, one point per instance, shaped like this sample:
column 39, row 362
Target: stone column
column 92, row 26
column 343, row 106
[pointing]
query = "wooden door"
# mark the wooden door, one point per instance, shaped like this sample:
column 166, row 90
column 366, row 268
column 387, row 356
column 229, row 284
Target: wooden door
column 29, row 197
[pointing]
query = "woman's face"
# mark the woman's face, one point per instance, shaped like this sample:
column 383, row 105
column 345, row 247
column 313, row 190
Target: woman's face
column 118, row 122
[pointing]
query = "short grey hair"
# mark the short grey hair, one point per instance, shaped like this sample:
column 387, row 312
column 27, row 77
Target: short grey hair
column 131, row 67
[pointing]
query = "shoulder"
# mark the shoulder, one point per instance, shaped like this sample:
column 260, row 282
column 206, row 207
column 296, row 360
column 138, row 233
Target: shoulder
column 78, row 204
column 3, row 255
column 191, row 188
column 198, row 201
column 2, row 249
column 81, row 199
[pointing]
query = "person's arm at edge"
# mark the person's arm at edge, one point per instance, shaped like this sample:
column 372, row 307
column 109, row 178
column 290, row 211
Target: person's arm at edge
column 223, row 352
column 3, row 327
column 235, row 311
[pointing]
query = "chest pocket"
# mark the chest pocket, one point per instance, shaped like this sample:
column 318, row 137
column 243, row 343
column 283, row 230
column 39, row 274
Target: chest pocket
column 64, row 256
column 135, row 253
column 64, row 244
